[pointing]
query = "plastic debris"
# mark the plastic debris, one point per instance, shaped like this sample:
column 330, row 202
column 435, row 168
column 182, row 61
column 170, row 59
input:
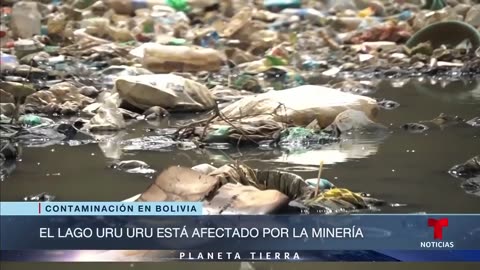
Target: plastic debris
column 108, row 118
column 133, row 166
column 168, row 91
column 42, row 197
column 324, row 183
column 31, row 120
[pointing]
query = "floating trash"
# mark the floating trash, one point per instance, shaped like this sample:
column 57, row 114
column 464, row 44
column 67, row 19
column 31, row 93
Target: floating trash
column 415, row 127
column 149, row 143
column 133, row 166
column 388, row 104
column 42, row 197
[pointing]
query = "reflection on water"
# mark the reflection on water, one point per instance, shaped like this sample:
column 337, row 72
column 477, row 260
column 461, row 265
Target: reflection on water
column 401, row 167
column 110, row 145
column 301, row 159
column 329, row 154
column 463, row 91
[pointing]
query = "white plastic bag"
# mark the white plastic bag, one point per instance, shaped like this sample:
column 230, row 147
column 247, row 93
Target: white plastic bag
column 300, row 106
column 168, row 91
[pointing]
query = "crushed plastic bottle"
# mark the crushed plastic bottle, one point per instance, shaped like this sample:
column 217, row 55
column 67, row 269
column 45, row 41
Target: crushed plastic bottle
column 26, row 19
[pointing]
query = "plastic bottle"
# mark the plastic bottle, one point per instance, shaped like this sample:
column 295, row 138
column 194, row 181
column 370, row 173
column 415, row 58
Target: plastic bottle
column 161, row 58
column 5, row 15
column 26, row 19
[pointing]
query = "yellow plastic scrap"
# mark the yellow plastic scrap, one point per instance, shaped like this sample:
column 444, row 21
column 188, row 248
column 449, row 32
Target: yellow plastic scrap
column 342, row 194
column 367, row 12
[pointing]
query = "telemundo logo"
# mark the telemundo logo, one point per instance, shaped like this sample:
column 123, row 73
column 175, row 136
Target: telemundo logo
column 438, row 225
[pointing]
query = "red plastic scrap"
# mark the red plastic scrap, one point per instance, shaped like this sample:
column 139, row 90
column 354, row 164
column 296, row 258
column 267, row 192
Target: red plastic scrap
column 385, row 32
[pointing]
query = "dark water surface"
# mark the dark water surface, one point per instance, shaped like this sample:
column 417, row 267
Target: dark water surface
column 405, row 168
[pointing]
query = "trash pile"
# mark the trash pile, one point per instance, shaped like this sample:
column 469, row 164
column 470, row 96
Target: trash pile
column 61, row 57
column 271, row 116
column 272, row 72
column 238, row 189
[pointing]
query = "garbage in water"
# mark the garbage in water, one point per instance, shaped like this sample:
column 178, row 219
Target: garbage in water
column 440, row 122
column 470, row 173
column 108, row 118
column 42, row 197
column 133, row 166
column 238, row 189
column 469, row 169
column 324, row 183
column 285, row 83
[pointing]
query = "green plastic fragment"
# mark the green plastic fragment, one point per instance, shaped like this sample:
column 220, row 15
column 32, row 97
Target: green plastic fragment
column 128, row 43
column 178, row 5
column 177, row 41
column 247, row 82
column 276, row 61
column 148, row 28
column 31, row 120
